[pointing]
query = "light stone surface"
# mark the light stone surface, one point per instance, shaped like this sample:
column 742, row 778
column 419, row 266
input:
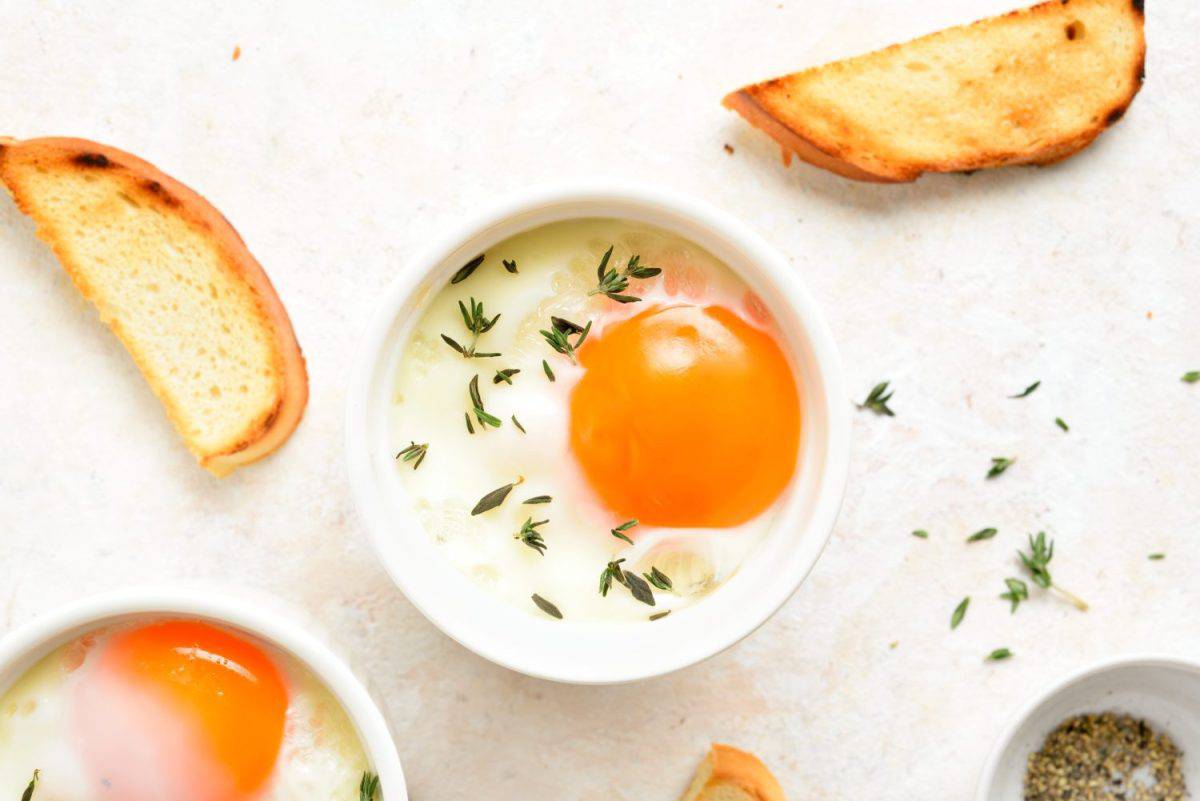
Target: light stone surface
column 347, row 134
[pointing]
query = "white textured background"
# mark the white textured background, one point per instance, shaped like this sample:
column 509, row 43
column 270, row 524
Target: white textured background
column 344, row 136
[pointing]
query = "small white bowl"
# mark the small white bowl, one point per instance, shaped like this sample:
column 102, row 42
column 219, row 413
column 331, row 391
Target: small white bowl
column 253, row 614
column 1162, row 690
column 594, row 652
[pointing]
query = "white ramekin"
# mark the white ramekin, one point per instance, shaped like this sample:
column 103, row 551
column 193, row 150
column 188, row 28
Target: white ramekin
column 1162, row 690
column 259, row 616
column 592, row 652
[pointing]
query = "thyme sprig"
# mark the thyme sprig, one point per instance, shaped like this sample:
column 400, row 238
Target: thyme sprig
column 477, row 323
column 414, row 453
column 481, row 414
column 619, row 531
column 612, row 284
column 559, row 338
column 877, row 400
column 529, row 535
column 1041, row 551
column 612, row 572
column 1017, row 591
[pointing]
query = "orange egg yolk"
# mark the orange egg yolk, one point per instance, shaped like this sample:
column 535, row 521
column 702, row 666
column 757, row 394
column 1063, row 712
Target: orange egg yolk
column 686, row 416
column 229, row 691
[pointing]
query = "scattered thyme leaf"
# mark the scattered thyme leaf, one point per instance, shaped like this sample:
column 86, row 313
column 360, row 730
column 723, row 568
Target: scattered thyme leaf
column 1191, row 377
column 538, row 499
column 921, row 534
column 529, row 535
column 505, row 375
column 877, row 400
column 960, row 612
column 29, row 788
column 657, row 578
column 1061, row 423
column 999, row 465
column 481, row 414
column 465, row 271
column 611, row 571
column 639, row 588
column 415, row 453
column 612, row 284
column 659, row 615
column 467, row 417
column 510, row 265
column 998, row 655
column 1029, row 390
column 517, row 423
column 565, row 325
column 1017, row 591
column 494, row 498
column 619, row 531
column 982, row 534
column 546, row 368
column 547, row 607
column 1157, row 557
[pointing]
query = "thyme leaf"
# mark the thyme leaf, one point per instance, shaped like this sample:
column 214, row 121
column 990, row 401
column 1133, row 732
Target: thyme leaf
column 1017, row 591
column 921, row 534
column 481, row 414
column 538, row 499
column 547, row 607
column 982, row 534
column 657, row 578
column 1156, row 557
column 1058, row 421
column 494, row 498
column 517, row 423
column 29, row 788
column 877, row 400
column 510, row 265
column 465, row 271
column 505, row 375
column 639, row 588
column 960, row 612
column 998, row 655
column 415, row 453
column 1191, row 377
column 1029, row 390
column 999, row 465
column 659, row 615
column 546, row 368
column 467, row 417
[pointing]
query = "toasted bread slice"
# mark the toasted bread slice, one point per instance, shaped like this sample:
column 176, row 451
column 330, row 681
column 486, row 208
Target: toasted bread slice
column 728, row 774
column 1030, row 87
column 177, row 286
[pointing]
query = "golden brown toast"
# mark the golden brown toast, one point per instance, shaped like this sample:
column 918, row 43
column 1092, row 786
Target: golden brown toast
column 176, row 284
column 729, row 774
column 1030, row 87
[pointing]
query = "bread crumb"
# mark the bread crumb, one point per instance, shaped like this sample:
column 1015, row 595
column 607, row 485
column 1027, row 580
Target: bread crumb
column 729, row 148
column 237, row 52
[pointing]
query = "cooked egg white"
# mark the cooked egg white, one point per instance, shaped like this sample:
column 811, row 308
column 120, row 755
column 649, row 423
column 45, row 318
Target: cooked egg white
column 556, row 266
column 320, row 756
